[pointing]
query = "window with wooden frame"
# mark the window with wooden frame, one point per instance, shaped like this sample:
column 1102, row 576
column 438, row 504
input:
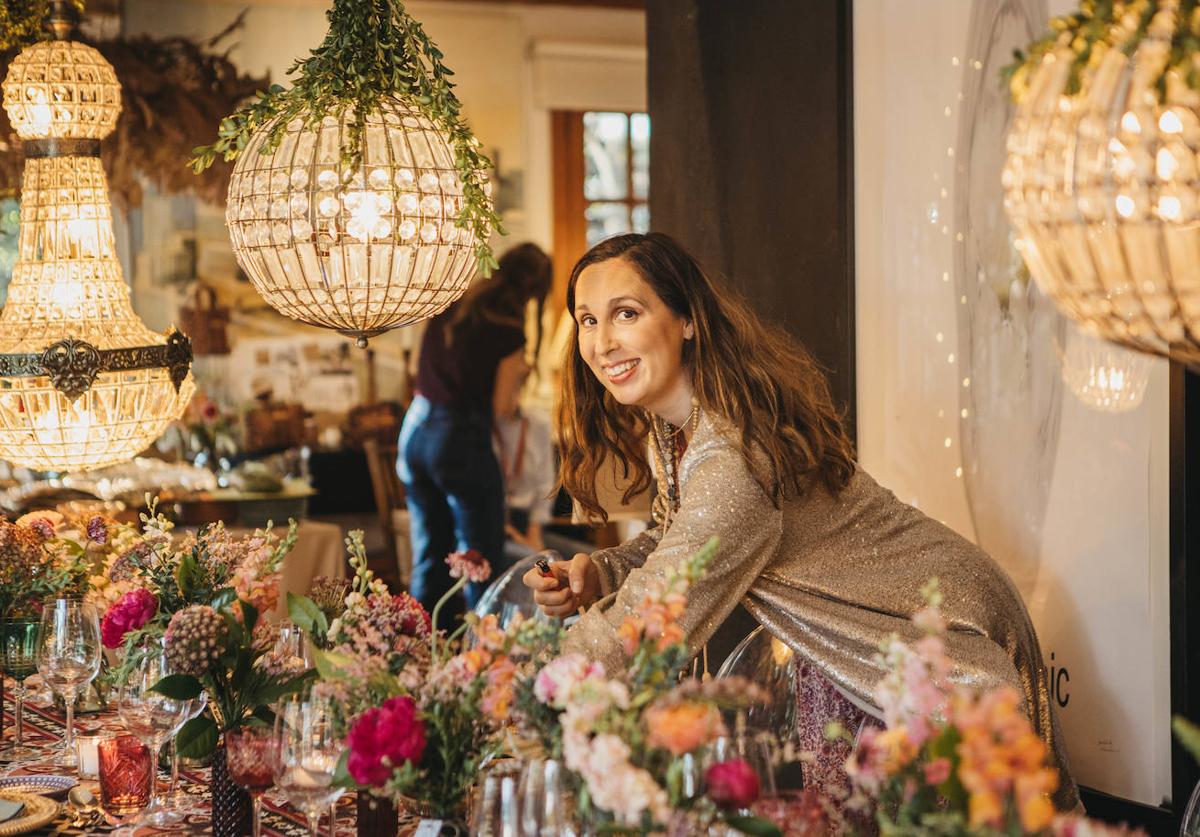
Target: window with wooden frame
column 601, row 183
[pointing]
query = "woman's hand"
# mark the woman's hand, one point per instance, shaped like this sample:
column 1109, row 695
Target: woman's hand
column 571, row 585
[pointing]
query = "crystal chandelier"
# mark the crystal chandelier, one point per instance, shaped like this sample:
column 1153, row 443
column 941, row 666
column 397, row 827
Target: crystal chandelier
column 359, row 201
column 1103, row 376
column 359, row 247
column 83, row 382
column 1101, row 177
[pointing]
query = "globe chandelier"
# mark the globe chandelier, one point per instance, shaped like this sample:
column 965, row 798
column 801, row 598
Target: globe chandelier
column 1103, row 376
column 1101, row 178
column 359, row 200
column 83, row 382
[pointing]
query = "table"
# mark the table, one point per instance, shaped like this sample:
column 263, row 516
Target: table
column 44, row 729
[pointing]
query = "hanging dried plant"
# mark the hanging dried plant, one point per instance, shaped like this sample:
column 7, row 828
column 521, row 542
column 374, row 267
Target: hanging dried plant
column 175, row 92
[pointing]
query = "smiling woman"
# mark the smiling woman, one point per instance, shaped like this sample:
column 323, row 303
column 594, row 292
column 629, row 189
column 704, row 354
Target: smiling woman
column 749, row 448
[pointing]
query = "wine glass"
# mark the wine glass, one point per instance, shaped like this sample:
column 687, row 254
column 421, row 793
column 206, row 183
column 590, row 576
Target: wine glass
column 152, row 717
column 176, row 801
column 545, row 807
column 496, row 810
column 250, row 758
column 68, row 657
column 18, row 659
column 307, row 756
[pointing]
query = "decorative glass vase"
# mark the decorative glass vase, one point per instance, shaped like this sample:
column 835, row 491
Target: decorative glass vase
column 376, row 815
column 231, row 805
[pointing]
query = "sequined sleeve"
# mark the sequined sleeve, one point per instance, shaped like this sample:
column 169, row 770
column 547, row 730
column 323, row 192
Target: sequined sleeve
column 613, row 564
column 719, row 498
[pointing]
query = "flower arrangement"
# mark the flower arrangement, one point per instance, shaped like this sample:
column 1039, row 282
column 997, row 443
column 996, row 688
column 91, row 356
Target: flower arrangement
column 376, row 642
column 952, row 760
column 627, row 735
column 35, row 566
column 421, row 710
column 200, row 597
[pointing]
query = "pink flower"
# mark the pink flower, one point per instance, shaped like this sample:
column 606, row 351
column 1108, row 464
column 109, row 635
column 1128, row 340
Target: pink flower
column 43, row 523
column 470, row 564
column 384, row 738
column 732, row 784
column 559, row 676
column 937, row 771
column 131, row 611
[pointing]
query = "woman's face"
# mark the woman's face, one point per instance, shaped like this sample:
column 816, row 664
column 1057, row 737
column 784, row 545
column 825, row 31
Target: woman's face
column 632, row 341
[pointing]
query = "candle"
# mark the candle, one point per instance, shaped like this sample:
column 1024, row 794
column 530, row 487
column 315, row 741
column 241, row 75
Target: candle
column 89, row 760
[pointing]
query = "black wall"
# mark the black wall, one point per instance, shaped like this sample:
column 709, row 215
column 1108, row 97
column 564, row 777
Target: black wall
column 751, row 158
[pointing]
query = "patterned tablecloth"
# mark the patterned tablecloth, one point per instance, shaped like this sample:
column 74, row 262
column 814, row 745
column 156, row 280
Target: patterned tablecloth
column 44, row 728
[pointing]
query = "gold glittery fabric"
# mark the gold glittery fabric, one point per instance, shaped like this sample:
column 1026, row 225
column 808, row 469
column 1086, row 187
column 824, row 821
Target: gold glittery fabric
column 832, row 576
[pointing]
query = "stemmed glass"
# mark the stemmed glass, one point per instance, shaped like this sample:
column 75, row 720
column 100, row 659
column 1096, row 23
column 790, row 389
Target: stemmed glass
column 68, row 657
column 18, row 659
column 307, row 756
column 154, row 718
column 545, row 806
column 250, row 757
column 174, row 802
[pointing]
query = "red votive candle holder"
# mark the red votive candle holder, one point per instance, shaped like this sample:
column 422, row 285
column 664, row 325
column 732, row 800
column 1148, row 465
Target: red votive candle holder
column 126, row 771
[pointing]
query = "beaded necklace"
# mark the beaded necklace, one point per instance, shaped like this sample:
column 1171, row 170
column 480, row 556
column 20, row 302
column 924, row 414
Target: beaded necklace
column 669, row 445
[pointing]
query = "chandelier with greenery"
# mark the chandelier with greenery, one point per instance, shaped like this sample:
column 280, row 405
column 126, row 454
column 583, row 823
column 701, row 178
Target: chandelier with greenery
column 359, row 200
column 1101, row 181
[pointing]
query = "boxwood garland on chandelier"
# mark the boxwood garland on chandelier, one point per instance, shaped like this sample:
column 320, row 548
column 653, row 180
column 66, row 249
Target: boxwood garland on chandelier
column 374, row 51
column 1095, row 23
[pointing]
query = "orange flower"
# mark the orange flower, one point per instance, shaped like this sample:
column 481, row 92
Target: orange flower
column 671, row 635
column 683, row 727
column 498, row 694
column 630, row 634
column 1037, row 813
column 474, row 660
column 895, row 748
column 984, row 809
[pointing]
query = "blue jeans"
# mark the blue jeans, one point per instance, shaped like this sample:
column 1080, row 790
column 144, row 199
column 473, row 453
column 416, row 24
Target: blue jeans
column 455, row 497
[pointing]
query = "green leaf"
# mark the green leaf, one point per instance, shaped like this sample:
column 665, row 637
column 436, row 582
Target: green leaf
column 276, row 689
column 1188, row 735
column 186, row 576
column 341, row 773
column 179, row 687
column 330, row 664
column 307, row 616
column 249, row 615
column 223, row 598
column 197, row 738
column 755, row 826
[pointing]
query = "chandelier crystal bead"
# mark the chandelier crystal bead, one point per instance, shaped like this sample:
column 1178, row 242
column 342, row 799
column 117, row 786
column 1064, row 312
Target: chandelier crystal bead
column 83, row 382
column 357, row 248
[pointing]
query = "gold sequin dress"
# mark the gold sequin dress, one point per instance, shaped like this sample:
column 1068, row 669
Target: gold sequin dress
column 832, row 576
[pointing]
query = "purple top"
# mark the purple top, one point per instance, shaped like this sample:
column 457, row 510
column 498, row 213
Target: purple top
column 463, row 373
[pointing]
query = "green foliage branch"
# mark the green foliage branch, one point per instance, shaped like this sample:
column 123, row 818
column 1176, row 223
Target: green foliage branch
column 1099, row 25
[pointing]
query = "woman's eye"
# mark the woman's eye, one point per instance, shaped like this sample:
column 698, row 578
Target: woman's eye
column 626, row 314
column 587, row 320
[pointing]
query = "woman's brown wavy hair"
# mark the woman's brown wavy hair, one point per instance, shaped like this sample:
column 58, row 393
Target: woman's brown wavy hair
column 749, row 372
